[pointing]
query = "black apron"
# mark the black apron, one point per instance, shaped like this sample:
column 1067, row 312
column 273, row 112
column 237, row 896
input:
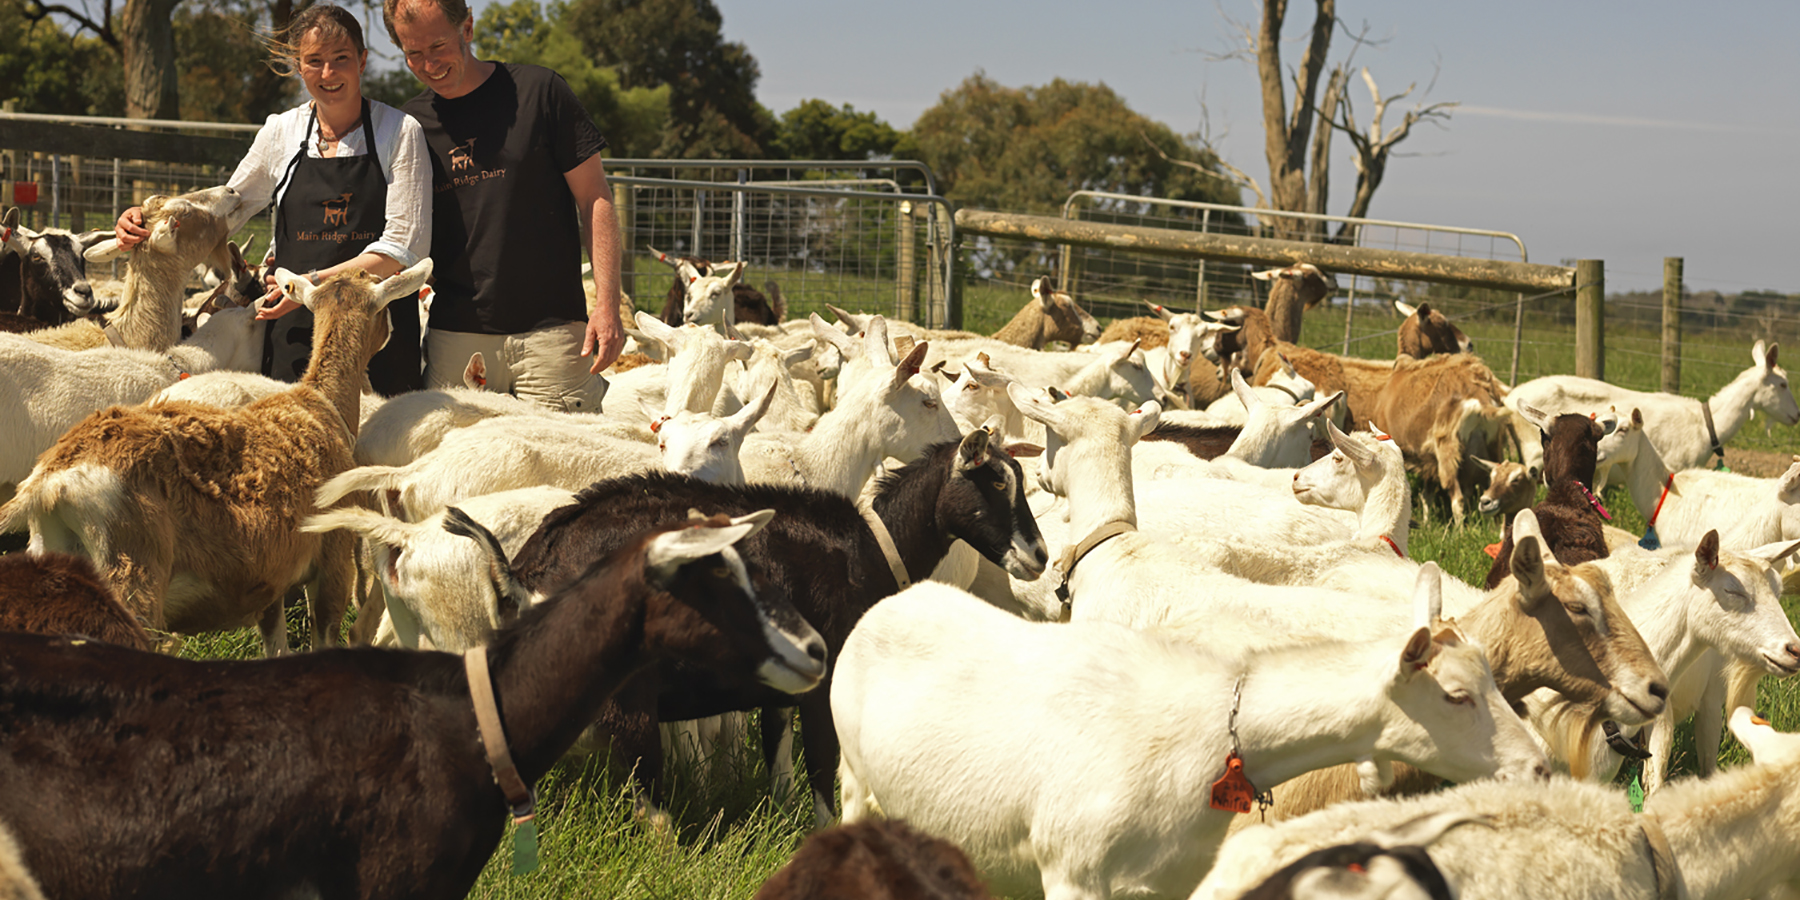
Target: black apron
column 332, row 210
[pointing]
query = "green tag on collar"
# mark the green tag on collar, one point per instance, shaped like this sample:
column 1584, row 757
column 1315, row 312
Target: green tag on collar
column 525, row 847
column 1634, row 790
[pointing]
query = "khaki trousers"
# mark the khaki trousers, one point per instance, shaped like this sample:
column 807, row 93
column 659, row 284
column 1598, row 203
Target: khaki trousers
column 544, row 366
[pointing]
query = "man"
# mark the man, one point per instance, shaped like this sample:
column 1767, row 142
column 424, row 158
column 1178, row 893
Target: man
column 518, row 186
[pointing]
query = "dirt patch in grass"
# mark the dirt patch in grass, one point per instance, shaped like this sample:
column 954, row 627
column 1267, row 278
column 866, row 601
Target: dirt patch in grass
column 1757, row 463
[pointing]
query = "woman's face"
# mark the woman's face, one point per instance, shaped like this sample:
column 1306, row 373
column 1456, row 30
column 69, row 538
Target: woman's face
column 332, row 70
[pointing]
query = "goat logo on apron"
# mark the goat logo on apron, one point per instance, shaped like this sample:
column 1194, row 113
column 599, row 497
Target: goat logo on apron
column 459, row 155
column 337, row 208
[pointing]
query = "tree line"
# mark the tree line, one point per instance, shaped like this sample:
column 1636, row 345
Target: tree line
column 660, row 78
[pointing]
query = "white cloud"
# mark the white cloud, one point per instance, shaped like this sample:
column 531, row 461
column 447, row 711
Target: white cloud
column 1575, row 118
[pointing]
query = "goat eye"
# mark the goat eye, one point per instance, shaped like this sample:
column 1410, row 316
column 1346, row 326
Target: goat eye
column 1460, row 698
column 721, row 572
column 931, row 404
column 971, row 387
column 719, row 443
column 1576, row 609
column 1000, row 486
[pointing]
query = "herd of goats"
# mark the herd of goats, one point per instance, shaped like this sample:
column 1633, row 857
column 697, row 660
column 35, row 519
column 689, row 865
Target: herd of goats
column 1134, row 618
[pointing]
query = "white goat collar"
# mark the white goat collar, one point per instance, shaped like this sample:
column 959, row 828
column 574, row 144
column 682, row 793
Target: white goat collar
column 519, row 797
column 896, row 565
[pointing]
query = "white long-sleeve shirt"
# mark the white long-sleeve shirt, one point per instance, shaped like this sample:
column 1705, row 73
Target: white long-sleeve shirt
column 405, row 162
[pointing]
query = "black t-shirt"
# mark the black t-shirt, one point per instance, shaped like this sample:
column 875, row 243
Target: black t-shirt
column 505, row 237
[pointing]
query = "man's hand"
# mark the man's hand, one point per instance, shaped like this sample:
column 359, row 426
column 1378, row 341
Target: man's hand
column 130, row 230
column 604, row 338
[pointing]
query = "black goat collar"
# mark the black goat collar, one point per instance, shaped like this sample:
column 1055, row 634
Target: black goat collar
column 519, row 797
column 1718, row 449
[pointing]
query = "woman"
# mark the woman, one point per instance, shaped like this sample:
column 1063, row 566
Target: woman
column 343, row 199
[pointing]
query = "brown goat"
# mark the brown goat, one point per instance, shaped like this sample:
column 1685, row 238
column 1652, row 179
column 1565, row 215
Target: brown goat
column 1427, row 331
column 1571, row 524
column 1361, row 380
column 750, row 305
column 1293, row 290
column 354, row 773
column 1441, row 410
column 1149, row 331
column 1054, row 316
column 193, row 512
column 1510, row 489
column 60, row 593
column 184, row 231
column 881, row 859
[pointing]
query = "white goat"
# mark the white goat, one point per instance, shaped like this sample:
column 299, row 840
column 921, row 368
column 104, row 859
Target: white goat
column 1676, row 424
column 45, row 389
column 1078, row 759
column 1286, row 387
column 440, row 587
column 1275, row 437
column 1701, row 613
column 1728, row 837
column 1747, row 512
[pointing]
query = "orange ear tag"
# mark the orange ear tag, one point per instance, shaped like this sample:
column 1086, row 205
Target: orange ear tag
column 1492, row 550
column 1233, row 792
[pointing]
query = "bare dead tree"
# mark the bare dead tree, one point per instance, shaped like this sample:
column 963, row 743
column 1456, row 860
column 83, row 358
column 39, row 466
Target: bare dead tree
column 1374, row 146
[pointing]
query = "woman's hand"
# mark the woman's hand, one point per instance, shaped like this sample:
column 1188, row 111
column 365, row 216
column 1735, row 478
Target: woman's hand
column 130, row 229
column 275, row 303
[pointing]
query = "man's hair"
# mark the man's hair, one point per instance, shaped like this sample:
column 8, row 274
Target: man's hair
column 456, row 12
column 331, row 23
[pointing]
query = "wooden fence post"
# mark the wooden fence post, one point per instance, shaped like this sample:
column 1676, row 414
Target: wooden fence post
column 1671, row 332
column 906, row 297
column 1590, row 319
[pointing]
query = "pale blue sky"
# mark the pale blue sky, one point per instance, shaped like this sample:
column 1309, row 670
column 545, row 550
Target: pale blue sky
column 1620, row 131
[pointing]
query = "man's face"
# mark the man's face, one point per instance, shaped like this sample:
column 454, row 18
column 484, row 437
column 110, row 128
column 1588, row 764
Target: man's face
column 436, row 51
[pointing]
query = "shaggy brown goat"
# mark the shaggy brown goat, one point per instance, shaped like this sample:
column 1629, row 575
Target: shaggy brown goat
column 1568, row 514
column 1149, row 331
column 184, row 231
column 1427, row 331
column 1054, row 317
column 193, row 512
column 353, row 773
column 880, row 859
column 1441, row 411
column 59, row 593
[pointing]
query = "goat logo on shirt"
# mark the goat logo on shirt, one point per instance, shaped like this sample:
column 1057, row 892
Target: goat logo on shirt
column 337, row 208
column 459, row 155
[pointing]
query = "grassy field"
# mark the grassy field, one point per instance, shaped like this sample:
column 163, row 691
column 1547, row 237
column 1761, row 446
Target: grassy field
column 726, row 839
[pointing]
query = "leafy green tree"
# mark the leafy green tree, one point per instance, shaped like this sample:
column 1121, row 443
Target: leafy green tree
column 817, row 130
column 713, row 113
column 524, row 32
column 225, row 76
column 1027, row 149
column 47, row 70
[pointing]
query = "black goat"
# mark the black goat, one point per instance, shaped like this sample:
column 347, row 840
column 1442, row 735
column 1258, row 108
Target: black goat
column 352, row 773
column 819, row 548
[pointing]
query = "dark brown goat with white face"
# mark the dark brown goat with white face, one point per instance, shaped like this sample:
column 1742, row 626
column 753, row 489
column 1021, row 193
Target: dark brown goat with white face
column 1569, row 513
column 350, row 773
column 879, row 859
column 53, row 284
column 748, row 305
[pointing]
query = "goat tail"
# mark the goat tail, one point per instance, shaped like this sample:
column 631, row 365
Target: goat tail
column 512, row 596
column 366, row 523
column 68, row 510
column 361, row 478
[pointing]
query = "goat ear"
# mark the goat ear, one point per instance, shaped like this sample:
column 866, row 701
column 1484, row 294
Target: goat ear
column 1021, row 450
column 910, row 366
column 90, row 239
column 876, row 346
column 1124, row 353
column 1417, row 653
column 1769, row 361
column 1424, row 830
column 659, row 331
column 105, row 251
column 1428, row 595
column 162, row 236
column 1758, row 355
column 1040, row 291
column 661, row 257
column 738, row 349
column 296, row 286
column 1771, row 554
column 1241, row 388
column 1265, row 274
column 1034, row 405
column 796, row 356
column 1607, row 424
column 403, row 283
column 1287, row 368
column 671, row 550
column 1319, row 406
column 1706, row 556
column 1528, row 568
column 857, row 322
column 687, row 272
column 475, row 373
column 1405, row 308
column 1142, row 421
column 730, row 331
column 1486, row 465
column 1161, row 312
column 973, row 452
column 737, row 272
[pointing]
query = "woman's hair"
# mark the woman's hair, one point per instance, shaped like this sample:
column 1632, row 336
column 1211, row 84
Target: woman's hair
column 331, row 22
